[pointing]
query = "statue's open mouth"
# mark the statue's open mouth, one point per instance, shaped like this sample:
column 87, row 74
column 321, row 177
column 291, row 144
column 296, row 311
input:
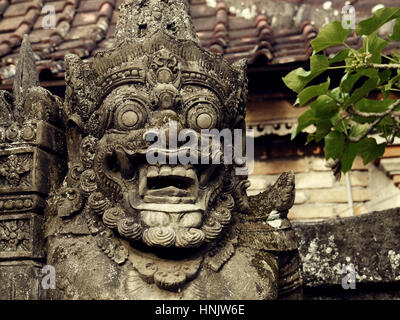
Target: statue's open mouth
column 166, row 205
column 178, row 188
column 178, row 184
column 172, row 184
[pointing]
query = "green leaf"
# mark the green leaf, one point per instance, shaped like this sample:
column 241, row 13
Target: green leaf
column 384, row 76
column 350, row 79
column 330, row 35
column 385, row 127
column 310, row 138
column 391, row 82
column 349, row 154
column 340, row 56
column 357, row 130
column 313, row 91
column 305, row 120
column 295, row 132
column 396, row 31
column 299, row 78
column 374, row 45
column 336, row 93
column 370, row 150
column 368, row 105
column 379, row 18
column 324, row 107
column 363, row 91
column 339, row 124
column 334, row 145
column 318, row 64
column 323, row 129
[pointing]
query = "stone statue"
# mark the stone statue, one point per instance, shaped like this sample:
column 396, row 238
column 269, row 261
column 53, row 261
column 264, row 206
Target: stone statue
column 119, row 227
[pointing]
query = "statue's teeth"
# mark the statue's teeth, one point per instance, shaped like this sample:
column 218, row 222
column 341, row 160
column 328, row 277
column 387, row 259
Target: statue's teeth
column 142, row 181
column 165, row 171
column 191, row 174
column 152, row 172
column 179, row 171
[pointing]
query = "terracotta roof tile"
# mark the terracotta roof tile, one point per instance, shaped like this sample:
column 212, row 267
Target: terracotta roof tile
column 3, row 6
column 10, row 24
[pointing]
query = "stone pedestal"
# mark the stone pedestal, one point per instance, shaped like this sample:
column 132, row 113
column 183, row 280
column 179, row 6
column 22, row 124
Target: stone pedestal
column 31, row 165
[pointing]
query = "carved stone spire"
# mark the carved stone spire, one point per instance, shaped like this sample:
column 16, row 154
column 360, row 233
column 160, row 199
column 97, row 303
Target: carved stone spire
column 26, row 77
column 142, row 18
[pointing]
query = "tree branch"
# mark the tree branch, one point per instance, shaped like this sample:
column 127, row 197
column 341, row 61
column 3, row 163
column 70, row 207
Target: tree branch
column 371, row 127
column 380, row 116
column 384, row 66
column 361, row 114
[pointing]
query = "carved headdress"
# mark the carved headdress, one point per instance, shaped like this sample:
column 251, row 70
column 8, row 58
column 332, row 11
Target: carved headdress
column 156, row 45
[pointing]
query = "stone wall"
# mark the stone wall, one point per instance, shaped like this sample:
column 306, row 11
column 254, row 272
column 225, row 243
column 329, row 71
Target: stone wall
column 319, row 196
column 369, row 243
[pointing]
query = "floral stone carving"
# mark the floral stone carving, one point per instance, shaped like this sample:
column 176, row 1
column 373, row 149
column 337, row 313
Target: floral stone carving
column 14, row 235
column 14, row 168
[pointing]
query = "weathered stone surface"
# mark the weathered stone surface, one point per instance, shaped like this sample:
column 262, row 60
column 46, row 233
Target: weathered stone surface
column 368, row 242
column 78, row 260
column 31, row 144
column 125, row 227
column 20, row 280
column 21, row 236
column 21, row 171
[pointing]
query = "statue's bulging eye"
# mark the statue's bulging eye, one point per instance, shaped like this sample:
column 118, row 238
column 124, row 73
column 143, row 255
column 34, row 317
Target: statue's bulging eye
column 130, row 116
column 204, row 121
column 202, row 116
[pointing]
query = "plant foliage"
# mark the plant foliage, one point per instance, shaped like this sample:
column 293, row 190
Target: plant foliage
column 345, row 116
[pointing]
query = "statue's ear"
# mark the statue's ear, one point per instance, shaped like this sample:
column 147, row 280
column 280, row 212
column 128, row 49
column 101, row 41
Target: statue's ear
column 242, row 85
column 80, row 78
column 241, row 67
column 73, row 66
column 79, row 91
column 75, row 134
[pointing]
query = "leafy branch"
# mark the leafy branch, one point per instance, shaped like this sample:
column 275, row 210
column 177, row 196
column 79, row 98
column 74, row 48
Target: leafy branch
column 345, row 116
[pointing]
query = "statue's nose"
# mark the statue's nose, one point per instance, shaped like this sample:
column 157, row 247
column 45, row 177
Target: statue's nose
column 165, row 118
column 169, row 122
column 166, row 96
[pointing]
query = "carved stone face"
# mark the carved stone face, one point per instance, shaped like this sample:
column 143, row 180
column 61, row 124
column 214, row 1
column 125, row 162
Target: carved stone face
column 169, row 204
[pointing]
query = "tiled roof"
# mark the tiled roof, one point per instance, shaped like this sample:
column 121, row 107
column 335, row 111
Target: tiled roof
column 84, row 27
